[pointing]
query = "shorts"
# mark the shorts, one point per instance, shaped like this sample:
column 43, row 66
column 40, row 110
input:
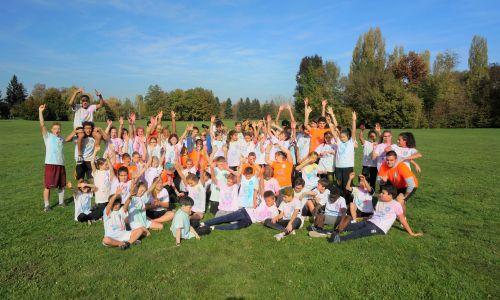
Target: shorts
column 55, row 176
column 155, row 214
column 83, row 170
column 122, row 235
column 403, row 191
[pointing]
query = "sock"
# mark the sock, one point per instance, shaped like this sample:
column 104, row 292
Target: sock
column 46, row 203
column 60, row 193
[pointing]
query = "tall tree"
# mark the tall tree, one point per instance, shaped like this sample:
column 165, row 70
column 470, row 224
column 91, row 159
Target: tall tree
column 4, row 108
column 16, row 95
column 255, row 109
column 140, row 107
column 310, row 83
column 494, row 88
column 477, row 82
column 228, row 109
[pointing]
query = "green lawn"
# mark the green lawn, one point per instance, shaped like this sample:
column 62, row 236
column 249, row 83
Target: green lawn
column 48, row 255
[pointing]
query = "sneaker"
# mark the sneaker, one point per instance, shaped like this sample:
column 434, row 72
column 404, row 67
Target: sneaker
column 279, row 236
column 311, row 228
column 316, row 234
column 292, row 232
column 90, row 222
column 334, row 238
column 125, row 246
column 47, row 208
column 137, row 242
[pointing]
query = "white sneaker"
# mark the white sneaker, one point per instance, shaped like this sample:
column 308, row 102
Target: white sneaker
column 279, row 236
column 317, row 234
column 292, row 232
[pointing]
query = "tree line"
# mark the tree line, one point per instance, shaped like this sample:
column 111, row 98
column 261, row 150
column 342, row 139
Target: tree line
column 401, row 89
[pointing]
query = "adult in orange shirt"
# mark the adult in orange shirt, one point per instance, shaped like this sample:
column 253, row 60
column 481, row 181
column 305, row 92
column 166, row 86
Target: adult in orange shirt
column 317, row 134
column 399, row 175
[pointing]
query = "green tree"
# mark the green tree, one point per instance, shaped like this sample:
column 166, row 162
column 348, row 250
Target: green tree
column 140, row 107
column 494, row 74
column 310, row 83
column 15, row 95
column 255, row 109
column 56, row 109
column 477, row 83
column 228, row 109
column 4, row 108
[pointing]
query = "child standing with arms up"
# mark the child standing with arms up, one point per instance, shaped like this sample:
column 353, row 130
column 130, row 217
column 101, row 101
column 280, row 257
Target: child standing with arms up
column 344, row 157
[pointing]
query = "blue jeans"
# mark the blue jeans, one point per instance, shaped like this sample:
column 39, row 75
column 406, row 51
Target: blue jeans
column 240, row 217
column 361, row 229
column 281, row 224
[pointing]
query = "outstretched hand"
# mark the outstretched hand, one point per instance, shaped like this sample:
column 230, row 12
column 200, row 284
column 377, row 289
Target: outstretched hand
column 41, row 108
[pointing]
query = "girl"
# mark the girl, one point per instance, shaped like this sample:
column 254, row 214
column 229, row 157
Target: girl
column 227, row 191
column 153, row 169
column 288, row 218
column 369, row 164
column 405, row 149
column 309, row 170
column 232, row 152
column 326, row 152
column 344, row 157
column 269, row 182
column 362, row 197
column 159, row 203
column 114, row 140
column 137, row 209
column 199, row 156
column 82, row 195
column 195, row 190
column 153, row 148
column 103, row 175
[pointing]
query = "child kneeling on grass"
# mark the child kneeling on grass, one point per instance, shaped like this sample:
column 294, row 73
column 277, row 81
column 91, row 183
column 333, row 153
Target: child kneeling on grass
column 334, row 212
column 115, row 233
column 245, row 217
column 386, row 211
column 288, row 218
column 181, row 227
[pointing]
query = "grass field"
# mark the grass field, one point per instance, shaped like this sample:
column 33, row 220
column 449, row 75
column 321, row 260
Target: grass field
column 48, row 255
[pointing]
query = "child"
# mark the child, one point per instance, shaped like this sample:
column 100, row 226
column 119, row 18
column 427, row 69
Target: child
column 137, row 209
column 82, row 195
column 55, row 172
column 249, row 186
column 326, row 152
column 282, row 167
column 334, row 211
column 344, row 157
column 103, row 175
column 232, row 151
column 227, row 192
column 181, row 228
column 218, row 174
column 386, row 211
column 123, row 182
column 115, row 233
column 320, row 196
column 362, row 197
column 288, row 218
column 369, row 164
column 154, row 169
column 196, row 191
column 188, row 168
column 270, row 183
column 159, row 203
column 309, row 170
column 245, row 217
column 379, row 152
column 317, row 134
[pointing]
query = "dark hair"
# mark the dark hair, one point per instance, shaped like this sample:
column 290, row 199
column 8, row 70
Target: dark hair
column 220, row 159
column 84, row 97
column 123, row 131
column 287, row 134
column 252, row 154
column 322, row 119
column 299, row 181
column 346, row 131
column 194, row 127
column 334, row 194
column 186, row 201
column 382, row 136
column 391, row 153
column 324, row 182
column 268, row 194
column 219, row 123
column 372, row 131
column 229, row 135
column 118, row 199
column 281, row 153
column 173, row 135
column 285, row 123
column 409, row 139
column 122, row 169
column 88, row 123
column 125, row 155
column 237, row 123
column 248, row 171
column 101, row 161
column 390, row 189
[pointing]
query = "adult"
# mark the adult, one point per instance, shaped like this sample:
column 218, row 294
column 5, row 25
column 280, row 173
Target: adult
column 84, row 112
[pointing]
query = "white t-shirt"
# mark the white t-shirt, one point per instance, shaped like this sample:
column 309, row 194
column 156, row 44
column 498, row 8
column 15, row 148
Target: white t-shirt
column 118, row 147
column 385, row 214
column 344, row 157
column 335, row 209
column 221, row 177
column 310, row 176
column 380, row 151
column 277, row 144
column 234, row 154
column 137, row 212
column 228, row 197
column 155, row 151
column 260, row 152
column 362, row 199
column 114, row 223
column 54, row 154
column 247, row 147
column 182, row 186
column 103, row 183
column 272, row 185
column 288, row 208
column 83, row 115
column 88, row 144
column 171, row 151
column 162, row 196
column 404, row 153
column 197, row 193
column 151, row 173
column 367, row 155
column 262, row 212
column 82, row 203
column 303, row 142
column 247, row 189
column 326, row 160
column 220, row 148
column 126, row 188
column 323, row 197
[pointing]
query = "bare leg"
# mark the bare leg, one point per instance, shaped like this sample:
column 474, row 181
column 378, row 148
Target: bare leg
column 353, row 209
column 168, row 216
column 80, row 136
column 111, row 242
column 156, row 225
column 197, row 216
column 137, row 233
column 97, row 137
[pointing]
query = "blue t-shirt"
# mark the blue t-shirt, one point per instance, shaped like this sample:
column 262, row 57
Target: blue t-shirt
column 181, row 220
column 53, row 149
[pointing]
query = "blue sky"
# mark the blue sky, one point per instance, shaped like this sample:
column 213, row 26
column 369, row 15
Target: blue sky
column 235, row 48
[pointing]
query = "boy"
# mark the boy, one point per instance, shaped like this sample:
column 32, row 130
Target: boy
column 335, row 210
column 55, row 173
column 385, row 214
column 321, row 195
column 249, row 186
column 181, row 228
column 288, row 218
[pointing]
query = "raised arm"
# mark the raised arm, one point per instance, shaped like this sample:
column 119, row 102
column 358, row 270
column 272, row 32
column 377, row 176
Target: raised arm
column 73, row 96
column 109, row 122
column 101, row 100
column 289, row 108
column 131, row 125
column 92, row 160
column 280, row 109
column 174, row 128
column 268, row 156
column 111, row 201
column 120, row 127
column 307, row 111
column 353, row 133
column 324, row 102
column 332, row 115
column 41, row 108
column 181, row 174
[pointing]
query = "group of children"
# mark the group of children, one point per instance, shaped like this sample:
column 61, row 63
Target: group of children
column 276, row 174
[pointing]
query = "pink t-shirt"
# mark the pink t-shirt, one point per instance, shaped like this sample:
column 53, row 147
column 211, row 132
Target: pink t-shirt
column 385, row 214
column 228, row 196
column 262, row 212
column 272, row 185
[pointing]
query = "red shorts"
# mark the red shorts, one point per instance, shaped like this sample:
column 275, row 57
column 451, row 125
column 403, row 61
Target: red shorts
column 55, row 176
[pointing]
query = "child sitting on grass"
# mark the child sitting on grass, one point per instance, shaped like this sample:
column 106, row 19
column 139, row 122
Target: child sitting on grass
column 361, row 198
column 334, row 211
column 137, row 208
column 227, row 191
column 386, row 211
column 82, row 195
column 320, row 196
column 288, row 218
column 181, row 228
column 245, row 217
column 115, row 233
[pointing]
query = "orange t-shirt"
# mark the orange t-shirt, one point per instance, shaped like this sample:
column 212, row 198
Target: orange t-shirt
column 131, row 169
column 317, row 137
column 283, row 172
column 198, row 157
column 254, row 167
column 397, row 175
column 167, row 178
